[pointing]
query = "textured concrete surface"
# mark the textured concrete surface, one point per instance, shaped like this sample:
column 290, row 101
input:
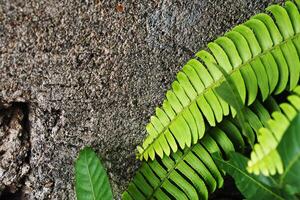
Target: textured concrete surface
column 91, row 72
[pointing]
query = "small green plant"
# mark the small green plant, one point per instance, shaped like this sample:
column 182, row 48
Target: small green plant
column 91, row 179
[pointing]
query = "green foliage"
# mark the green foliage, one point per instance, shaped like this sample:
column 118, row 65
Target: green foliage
column 191, row 173
column 223, row 100
column 260, row 56
column 289, row 151
column 251, row 186
column 91, row 178
column 283, row 186
column 236, row 74
column 229, row 92
column 264, row 157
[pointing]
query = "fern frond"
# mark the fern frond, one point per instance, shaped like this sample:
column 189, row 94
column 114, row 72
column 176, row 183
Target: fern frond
column 265, row 158
column 260, row 55
column 188, row 174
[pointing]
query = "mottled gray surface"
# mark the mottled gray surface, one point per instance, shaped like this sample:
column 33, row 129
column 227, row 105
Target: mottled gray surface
column 93, row 74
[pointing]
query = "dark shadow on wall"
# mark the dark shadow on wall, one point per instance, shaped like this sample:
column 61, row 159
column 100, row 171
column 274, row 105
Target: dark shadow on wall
column 7, row 195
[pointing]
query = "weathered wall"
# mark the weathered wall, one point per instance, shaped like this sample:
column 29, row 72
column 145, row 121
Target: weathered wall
column 91, row 73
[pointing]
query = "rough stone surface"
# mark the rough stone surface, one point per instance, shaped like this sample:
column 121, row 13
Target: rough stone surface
column 92, row 72
column 14, row 147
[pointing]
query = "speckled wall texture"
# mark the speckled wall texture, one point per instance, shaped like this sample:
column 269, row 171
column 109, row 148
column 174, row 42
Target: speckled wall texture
column 91, row 72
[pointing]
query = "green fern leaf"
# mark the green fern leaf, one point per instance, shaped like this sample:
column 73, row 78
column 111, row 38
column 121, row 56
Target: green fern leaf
column 265, row 158
column 260, row 55
column 91, row 179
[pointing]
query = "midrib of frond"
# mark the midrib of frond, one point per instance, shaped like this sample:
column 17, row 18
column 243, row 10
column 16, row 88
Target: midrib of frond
column 90, row 176
column 220, row 80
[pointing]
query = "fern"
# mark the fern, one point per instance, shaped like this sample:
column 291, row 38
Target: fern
column 191, row 173
column 265, row 158
column 259, row 55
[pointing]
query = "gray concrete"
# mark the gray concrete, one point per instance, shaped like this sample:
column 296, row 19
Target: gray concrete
column 92, row 74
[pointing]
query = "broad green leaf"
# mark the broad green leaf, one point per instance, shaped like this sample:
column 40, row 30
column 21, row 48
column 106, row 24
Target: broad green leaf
column 251, row 186
column 91, row 179
column 289, row 151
